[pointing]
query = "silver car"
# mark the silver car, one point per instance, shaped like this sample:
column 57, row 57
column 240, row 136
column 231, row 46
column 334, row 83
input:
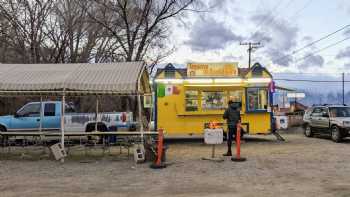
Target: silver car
column 328, row 119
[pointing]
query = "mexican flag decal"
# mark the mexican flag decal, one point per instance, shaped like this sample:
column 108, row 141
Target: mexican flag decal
column 167, row 90
column 161, row 90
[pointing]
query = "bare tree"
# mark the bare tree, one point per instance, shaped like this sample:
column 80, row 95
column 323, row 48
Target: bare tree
column 25, row 33
column 138, row 26
column 53, row 31
column 78, row 39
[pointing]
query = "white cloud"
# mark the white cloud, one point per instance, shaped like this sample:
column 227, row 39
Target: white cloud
column 278, row 37
column 312, row 61
column 209, row 34
column 345, row 53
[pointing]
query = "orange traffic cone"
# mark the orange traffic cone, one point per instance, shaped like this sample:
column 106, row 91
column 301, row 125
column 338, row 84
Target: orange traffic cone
column 158, row 163
column 238, row 157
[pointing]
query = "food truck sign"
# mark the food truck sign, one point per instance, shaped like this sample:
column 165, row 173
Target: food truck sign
column 212, row 69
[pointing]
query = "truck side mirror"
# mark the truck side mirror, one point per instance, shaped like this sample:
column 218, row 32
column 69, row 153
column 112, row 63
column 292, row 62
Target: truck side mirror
column 325, row 115
column 17, row 115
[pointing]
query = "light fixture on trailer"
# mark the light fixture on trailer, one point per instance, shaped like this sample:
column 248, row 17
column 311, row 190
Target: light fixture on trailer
column 199, row 81
column 259, row 80
column 169, row 81
column 228, row 80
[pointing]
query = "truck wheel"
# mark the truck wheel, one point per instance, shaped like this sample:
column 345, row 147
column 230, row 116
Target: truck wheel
column 308, row 131
column 91, row 127
column 336, row 134
column 3, row 139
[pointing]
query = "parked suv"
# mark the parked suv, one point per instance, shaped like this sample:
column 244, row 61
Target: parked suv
column 328, row 119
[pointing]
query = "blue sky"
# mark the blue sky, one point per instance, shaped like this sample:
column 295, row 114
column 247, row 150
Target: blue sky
column 282, row 26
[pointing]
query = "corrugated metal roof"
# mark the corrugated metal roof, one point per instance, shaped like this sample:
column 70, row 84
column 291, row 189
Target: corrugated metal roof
column 121, row 77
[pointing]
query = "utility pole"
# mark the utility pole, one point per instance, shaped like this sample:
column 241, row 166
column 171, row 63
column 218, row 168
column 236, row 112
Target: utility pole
column 251, row 46
column 343, row 81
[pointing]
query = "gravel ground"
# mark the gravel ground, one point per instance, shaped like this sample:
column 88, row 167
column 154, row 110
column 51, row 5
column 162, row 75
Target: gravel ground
column 298, row 167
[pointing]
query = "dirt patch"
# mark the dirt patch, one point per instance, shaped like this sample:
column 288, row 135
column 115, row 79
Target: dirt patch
column 298, row 167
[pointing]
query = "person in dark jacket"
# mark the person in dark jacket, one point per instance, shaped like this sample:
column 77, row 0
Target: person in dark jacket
column 232, row 116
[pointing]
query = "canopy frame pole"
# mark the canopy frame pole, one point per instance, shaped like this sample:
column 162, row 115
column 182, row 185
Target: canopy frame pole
column 139, row 105
column 41, row 114
column 140, row 116
column 96, row 114
column 63, row 103
column 151, row 110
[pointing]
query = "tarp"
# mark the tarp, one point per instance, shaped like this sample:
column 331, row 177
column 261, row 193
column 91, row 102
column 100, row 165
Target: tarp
column 119, row 78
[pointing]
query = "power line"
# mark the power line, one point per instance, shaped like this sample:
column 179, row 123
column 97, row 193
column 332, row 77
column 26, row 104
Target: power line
column 297, row 12
column 305, row 73
column 273, row 17
column 314, row 42
column 322, row 49
column 310, row 80
column 265, row 17
column 302, row 9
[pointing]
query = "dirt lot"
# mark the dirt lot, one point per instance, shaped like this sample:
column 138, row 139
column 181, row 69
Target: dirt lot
column 298, row 167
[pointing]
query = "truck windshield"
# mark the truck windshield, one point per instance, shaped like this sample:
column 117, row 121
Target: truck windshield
column 339, row 111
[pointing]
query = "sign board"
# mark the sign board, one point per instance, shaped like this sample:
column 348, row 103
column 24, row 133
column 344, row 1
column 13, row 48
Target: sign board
column 213, row 136
column 296, row 95
column 212, row 69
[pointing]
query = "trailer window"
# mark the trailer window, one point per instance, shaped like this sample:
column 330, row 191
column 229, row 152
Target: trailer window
column 213, row 100
column 257, row 99
column 191, row 100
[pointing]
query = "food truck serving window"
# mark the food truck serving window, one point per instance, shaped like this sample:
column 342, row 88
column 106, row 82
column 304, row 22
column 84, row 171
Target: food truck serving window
column 213, row 100
column 191, row 100
column 257, row 99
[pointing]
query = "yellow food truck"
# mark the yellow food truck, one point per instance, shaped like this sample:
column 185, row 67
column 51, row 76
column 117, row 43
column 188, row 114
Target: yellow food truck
column 189, row 98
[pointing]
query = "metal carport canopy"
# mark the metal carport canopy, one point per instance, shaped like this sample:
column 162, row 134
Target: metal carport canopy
column 80, row 78
column 122, row 78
